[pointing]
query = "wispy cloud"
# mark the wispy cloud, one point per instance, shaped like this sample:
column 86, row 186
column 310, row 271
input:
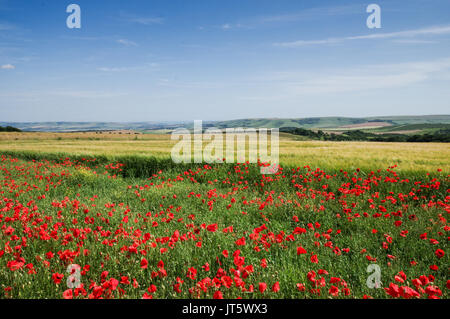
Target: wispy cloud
column 372, row 77
column 147, row 66
column 127, row 43
column 428, row 31
column 434, row 30
column 355, row 83
column 147, row 20
column 7, row 67
column 412, row 41
column 41, row 95
column 87, row 94
column 230, row 26
column 312, row 13
column 304, row 15
column 115, row 69
column 362, row 78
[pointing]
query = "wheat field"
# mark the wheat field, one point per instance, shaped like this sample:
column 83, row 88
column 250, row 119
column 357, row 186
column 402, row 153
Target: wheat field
column 293, row 151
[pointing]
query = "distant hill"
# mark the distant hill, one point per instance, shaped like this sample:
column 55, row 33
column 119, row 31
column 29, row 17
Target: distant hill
column 91, row 126
column 334, row 122
column 381, row 123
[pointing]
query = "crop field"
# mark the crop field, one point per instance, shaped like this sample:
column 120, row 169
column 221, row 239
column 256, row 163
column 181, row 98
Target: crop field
column 88, row 215
column 294, row 151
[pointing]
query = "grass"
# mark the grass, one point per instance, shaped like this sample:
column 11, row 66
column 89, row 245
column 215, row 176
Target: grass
column 412, row 157
column 62, row 196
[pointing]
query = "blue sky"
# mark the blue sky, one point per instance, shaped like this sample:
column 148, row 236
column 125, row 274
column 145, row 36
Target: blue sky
column 216, row 60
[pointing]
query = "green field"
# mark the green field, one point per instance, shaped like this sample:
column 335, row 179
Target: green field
column 412, row 128
column 136, row 225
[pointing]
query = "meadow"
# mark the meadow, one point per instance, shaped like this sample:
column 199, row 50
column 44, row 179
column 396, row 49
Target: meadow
column 88, row 215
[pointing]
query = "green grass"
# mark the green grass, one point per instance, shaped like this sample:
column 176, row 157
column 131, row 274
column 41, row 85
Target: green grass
column 294, row 193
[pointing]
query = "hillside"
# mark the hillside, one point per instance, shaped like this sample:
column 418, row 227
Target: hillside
column 335, row 122
column 90, row 126
column 381, row 123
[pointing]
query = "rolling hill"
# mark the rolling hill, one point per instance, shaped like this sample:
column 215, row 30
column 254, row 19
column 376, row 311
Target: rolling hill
column 383, row 124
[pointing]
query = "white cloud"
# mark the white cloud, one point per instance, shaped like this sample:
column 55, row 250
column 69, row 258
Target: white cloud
column 352, row 83
column 87, row 94
column 292, row 84
column 373, row 77
column 36, row 95
column 7, row 67
column 313, row 13
column 412, row 41
column 127, row 43
column 304, row 15
column 114, row 69
column 146, row 20
column 140, row 19
column 150, row 66
column 434, row 30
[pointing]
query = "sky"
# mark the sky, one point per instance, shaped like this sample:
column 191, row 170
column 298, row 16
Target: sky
column 178, row 60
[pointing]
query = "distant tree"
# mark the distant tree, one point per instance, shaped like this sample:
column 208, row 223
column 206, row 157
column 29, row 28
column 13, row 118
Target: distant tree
column 9, row 129
column 442, row 135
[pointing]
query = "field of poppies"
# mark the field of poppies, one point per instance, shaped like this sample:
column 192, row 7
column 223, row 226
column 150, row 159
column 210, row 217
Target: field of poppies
column 75, row 227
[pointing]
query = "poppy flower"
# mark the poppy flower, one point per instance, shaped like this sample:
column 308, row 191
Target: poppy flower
column 439, row 253
column 333, row 291
column 300, row 287
column 144, row 263
column 57, row 278
column 68, row 294
column 262, row 287
column 264, row 263
column 276, row 287
column 218, row 295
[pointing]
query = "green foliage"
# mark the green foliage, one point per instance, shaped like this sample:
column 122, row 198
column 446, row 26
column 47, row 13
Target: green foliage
column 9, row 129
column 358, row 135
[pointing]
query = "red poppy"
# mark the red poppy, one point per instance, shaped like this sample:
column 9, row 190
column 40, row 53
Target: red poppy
column 439, row 253
column 276, row 287
column 262, row 287
column 144, row 263
column 68, row 294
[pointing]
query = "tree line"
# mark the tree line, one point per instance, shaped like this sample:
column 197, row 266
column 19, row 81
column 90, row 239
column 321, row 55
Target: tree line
column 9, row 129
column 358, row 135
